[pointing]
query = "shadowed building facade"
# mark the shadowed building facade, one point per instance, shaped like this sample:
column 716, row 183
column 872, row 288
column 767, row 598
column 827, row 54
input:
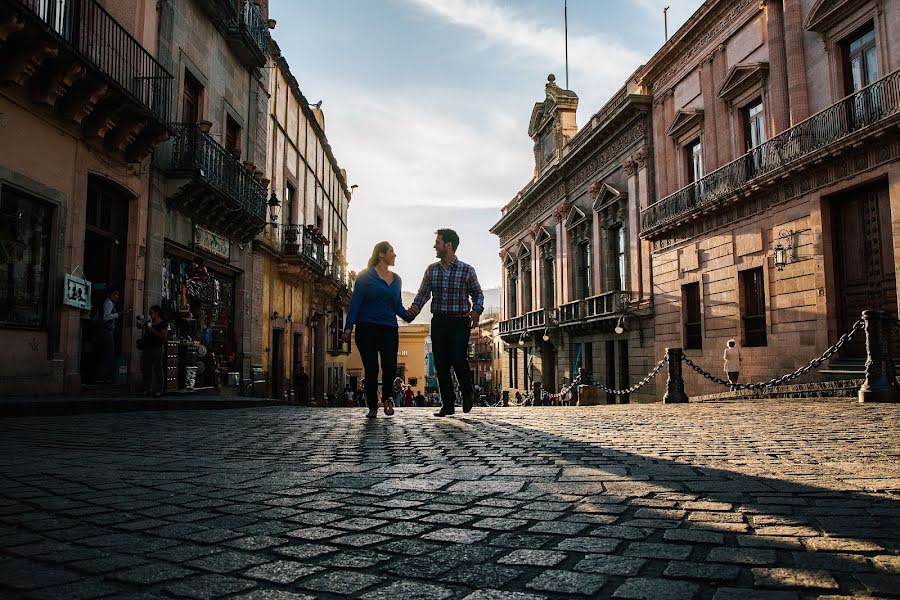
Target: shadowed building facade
column 573, row 265
column 777, row 183
column 84, row 101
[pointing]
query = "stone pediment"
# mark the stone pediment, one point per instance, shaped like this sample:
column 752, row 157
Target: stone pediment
column 685, row 120
column 827, row 13
column 604, row 194
column 575, row 218
column 741, row 77
column 524, row 251
column 544, row 235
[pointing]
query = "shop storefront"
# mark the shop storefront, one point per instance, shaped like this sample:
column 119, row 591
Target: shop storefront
column 198, row 297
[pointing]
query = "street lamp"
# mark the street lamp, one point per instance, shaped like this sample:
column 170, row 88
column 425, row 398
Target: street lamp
column 546, row 336
column 620, row 325
column 522, row 340
column 273, row 204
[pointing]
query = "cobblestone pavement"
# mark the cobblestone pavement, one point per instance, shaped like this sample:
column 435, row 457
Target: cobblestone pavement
column 778, row 500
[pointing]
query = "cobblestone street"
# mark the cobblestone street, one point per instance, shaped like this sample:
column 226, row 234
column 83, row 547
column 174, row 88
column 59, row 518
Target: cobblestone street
column 780, row 500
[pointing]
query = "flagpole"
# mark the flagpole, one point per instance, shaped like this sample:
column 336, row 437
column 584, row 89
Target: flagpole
column 566, row 26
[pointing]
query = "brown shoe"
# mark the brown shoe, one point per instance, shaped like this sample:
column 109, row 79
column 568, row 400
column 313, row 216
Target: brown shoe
column 371, row 414
column 444, row 412
column 389, row 407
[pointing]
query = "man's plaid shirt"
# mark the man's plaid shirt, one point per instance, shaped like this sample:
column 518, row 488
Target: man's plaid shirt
column 450, row 289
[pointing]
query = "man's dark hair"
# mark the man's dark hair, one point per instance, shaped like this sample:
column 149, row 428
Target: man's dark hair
column 448, row 235
column 111, row 291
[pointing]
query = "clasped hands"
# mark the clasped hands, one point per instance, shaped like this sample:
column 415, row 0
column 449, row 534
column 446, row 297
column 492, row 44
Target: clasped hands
column 413, row 312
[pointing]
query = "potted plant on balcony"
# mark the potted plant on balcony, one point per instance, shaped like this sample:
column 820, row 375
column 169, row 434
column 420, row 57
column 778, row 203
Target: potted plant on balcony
column 271, row 23
column 205, row 126
column 290, row 239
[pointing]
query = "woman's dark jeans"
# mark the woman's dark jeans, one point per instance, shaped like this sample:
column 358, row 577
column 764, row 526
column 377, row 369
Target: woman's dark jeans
column 152, row 368
column 373, row 340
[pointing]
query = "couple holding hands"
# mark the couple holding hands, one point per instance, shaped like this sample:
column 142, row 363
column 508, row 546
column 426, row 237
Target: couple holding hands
column 456, row 305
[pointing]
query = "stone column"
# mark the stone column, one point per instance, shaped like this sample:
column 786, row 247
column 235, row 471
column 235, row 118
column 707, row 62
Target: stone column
column 659, row 145
column 673, row 181
column 778, row 94
column 796, row 61
column 711, row 159
column 643, row 201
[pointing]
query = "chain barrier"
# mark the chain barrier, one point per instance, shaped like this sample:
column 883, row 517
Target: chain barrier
column 814, row 363
column 641, row 383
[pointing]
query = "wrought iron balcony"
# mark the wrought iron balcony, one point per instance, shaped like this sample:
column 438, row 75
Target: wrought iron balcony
column 75, row 58
column 846, row 122
column 220, row 193
column 247, row 33
column 301, row 242
column 571, row 311
column 337, row 270
column 601, row 306
column 530, row 321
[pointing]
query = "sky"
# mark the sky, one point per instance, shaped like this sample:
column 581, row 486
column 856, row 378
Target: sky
column 427, row 103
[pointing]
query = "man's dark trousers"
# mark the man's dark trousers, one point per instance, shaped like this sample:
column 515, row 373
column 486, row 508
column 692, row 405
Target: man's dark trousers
column 449, row 343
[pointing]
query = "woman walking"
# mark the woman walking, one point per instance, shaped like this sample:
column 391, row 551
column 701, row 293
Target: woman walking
column 733, row 359
column 374, row 307
column 152, row 353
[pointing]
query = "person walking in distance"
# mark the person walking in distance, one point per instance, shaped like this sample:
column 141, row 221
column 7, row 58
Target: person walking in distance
column 456, row 305
column 374, row 307
column 733, row 361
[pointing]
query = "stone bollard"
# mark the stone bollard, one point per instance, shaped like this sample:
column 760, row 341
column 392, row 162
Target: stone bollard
column 675, row 384
column 880, row 384
column 588, row 395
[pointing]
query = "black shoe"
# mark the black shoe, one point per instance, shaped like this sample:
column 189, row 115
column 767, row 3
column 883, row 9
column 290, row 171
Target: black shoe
column 467, row 403
column 444, row 412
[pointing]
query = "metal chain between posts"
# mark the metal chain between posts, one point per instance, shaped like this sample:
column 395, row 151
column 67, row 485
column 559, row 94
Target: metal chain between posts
column 814, row 363
column 641, row 383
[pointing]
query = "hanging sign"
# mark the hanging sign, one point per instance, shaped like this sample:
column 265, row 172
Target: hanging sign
column 212, row 242
column 77, row 292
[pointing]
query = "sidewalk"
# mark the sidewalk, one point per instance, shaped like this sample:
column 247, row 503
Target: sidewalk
column 76, row 405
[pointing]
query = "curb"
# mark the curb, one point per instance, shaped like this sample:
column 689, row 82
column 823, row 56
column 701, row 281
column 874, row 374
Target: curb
column 32, row 407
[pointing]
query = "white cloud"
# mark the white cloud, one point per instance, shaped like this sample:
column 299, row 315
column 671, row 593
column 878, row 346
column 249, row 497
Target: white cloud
column 596, row 63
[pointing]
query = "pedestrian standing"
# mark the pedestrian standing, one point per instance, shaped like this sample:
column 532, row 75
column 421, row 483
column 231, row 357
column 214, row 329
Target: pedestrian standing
column 106, row 346
column 374, row 307
column 154, row 341
column 456, row 305
column 733, row 361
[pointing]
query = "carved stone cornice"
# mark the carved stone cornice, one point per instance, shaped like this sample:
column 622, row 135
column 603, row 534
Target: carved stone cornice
column 534, row 230
column 562, row 211
column 630, row 166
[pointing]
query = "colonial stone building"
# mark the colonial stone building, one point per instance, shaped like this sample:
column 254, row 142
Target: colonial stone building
column 774, row 216
column 299, row 262
column 209, row 189
column 574, row 268
column 84, row 101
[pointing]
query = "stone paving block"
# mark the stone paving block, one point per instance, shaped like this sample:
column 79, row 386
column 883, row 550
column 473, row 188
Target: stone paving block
column 411, row 590
column 482, row 575
column 664, row 551
column 500, row 524
column 184, row 552
column 256, row 542
column 502, row 595
column 152, row 573
column 314, row 533
column 404, row 529
column 788, row 577
column 281, row 571
column 830, row 544
column 558, row 528
column 537, row 558
column 359, row 523
column 107, row 564
column 743, row 556
column 341, row 582
column 448, row 519
column 611, row 565
column 649, row 588
column 567, row 582
column 753, row 594
column 588, row 545
column 693, row 536
column 79, row 590
column 889, row 563
column 701, row 570
column 264, row 594
column 455, row 535
column 618, row 531
column 226, row 562
column 773, row 542
column 21, row 574
column 305, row 550
column 832, row 561
column 887, row 584
column 315, row 518
column 208, row 587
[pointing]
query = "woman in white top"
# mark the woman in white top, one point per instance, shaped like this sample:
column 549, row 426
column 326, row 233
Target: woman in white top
column 732, row 361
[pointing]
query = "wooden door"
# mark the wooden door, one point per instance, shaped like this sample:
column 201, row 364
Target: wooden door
column 277, row 368
column 864, row 259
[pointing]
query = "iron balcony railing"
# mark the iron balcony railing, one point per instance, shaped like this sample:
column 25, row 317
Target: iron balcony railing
column 609, row 303
column 337, row 270
column 530, row 321
column 101, row 40
column 301, row 241
column 248, row 26
column 195, row 151
column 869, row 106
column 571, row 311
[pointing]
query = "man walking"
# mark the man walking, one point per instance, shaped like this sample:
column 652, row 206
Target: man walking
column 456, row 305
column 106, row 322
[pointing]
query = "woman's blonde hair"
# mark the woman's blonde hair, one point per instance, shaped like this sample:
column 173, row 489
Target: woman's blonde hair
column 379, row 249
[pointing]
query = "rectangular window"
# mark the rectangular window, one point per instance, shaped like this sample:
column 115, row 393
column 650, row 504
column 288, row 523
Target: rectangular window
column 526, row 285
column 694, row 155
column 548, row 283
column 690, row 300
column 617, row 258
column 754, row 124
column 190, row 100
column 290, row 195
column 753, row 307
column 514, row 367
column 25, row 235
column 232, row 136
column 861, row 59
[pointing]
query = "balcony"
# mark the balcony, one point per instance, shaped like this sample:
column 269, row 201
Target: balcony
column 218, row 192
column 75, row 62
column 303, row 247
column 337, row 271
column 530, row 321
column 596, row 308
column 246, row 32
column 838, row 129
